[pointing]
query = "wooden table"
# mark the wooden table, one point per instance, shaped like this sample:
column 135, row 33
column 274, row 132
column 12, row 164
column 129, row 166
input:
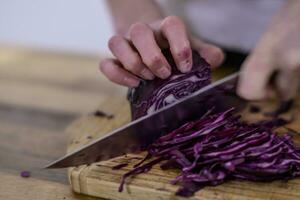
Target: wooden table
column 40, row 94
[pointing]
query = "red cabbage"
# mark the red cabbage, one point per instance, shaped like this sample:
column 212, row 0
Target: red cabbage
column 152, row 95
column 216, row 147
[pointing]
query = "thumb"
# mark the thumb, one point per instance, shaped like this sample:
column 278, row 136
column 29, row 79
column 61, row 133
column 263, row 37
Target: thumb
column 211, row 53
column 255, row 74
column 287, row 80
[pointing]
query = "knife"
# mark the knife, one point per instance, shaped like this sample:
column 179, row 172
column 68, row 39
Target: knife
column 146, row 129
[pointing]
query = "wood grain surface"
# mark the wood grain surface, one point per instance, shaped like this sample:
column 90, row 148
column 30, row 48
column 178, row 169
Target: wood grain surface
column 41, row 93
column 100, row 180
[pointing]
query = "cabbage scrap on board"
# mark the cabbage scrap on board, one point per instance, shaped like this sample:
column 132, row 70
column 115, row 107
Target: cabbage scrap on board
column 216, row 147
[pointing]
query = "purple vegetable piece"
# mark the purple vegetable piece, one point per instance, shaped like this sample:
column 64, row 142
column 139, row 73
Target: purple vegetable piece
column 140, row 169
column 25, row 174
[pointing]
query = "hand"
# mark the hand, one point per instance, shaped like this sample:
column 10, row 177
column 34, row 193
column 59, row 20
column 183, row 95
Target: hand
column 138, row 54
column 277, row 51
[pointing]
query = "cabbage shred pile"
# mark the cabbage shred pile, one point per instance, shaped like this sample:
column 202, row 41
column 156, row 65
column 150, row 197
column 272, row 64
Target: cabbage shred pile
column 220, row 147
column 216, row 147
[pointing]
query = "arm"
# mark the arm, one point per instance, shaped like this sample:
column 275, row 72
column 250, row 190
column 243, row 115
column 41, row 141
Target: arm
column 278, row 50
column 125, row 13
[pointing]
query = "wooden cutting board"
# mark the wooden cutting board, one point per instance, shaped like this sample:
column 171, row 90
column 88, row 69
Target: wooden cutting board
column 101, row 181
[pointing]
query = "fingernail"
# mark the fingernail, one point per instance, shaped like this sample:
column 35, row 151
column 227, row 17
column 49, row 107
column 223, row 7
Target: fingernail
column 147, row 74
column 185, row 66
column 164, row 72
column 131, row 82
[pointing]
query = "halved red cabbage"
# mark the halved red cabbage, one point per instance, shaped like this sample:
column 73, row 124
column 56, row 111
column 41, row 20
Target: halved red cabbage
column 152, row 95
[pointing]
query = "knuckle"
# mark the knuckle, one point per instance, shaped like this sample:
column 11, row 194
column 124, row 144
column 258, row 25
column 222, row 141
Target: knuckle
column 135, row 60
column 114, row 41
column 130, row 67
column 137, row 29
column 154, row 61
column 135, row 70
column 171, row 21
column 134, row 63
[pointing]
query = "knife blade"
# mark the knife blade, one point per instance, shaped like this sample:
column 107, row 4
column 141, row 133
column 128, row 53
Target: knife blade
column 146, row 129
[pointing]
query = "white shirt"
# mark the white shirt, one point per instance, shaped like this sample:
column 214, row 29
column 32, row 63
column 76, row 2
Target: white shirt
column 234, row 24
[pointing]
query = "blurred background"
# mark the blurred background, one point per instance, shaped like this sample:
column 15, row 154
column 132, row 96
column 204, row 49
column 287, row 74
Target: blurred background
column 85, row 26
column 69, row 25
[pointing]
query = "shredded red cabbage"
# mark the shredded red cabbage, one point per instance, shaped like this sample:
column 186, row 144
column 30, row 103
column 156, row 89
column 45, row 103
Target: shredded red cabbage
column 216, row 147
column 25, row 174
column 221, row 147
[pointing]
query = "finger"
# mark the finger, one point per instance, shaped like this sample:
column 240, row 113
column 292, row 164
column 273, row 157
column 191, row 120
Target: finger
column 143, row 39
column 130, row 59
column 174, row 30
column 211, row 53
column 159, row 38
column 254, row 77
column 114, row 72
column 287, row 83
column 288, row 58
